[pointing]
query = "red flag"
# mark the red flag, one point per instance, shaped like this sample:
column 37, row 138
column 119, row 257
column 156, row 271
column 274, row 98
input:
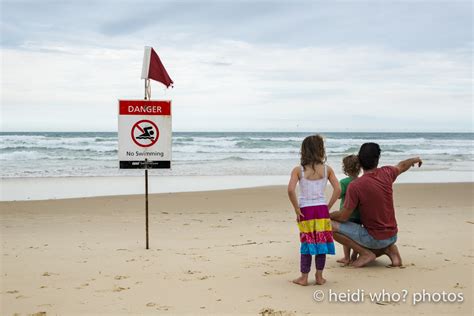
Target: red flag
column 153, row 68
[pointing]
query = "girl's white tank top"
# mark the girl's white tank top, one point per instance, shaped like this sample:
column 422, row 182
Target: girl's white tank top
column 312, row 191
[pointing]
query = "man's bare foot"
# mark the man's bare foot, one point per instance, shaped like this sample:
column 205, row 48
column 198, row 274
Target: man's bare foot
column 302, row 280
column 344, row 260
column 363, row 259
column 354, row 256
column 394, row 255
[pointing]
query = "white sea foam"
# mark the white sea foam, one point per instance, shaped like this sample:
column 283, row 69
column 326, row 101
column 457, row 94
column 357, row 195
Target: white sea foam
column 95, row 154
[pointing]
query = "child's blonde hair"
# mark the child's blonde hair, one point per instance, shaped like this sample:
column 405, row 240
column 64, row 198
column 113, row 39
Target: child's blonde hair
column 313, row 151
column 351, row 166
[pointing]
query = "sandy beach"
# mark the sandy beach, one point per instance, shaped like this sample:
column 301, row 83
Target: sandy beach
column 224, row 252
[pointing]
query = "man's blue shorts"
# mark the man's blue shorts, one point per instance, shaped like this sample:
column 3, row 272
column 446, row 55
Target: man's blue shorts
column 360, row 235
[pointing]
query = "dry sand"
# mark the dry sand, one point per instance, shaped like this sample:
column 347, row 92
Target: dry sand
column 221, row 252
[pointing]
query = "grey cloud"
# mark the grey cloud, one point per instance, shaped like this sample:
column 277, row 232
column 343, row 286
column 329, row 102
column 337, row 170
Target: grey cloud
column 217, row 63
column 404, row 25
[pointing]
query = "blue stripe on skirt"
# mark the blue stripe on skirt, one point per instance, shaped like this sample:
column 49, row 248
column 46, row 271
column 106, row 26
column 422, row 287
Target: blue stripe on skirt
column 317, row 249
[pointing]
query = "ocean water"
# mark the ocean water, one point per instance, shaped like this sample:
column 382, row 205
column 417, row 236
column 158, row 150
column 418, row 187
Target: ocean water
column 59, row 154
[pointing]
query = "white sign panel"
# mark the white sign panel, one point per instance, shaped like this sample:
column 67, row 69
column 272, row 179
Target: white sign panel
column 144, row 132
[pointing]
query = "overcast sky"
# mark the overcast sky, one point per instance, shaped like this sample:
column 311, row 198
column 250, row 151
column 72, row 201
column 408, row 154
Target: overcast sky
column 240, row 65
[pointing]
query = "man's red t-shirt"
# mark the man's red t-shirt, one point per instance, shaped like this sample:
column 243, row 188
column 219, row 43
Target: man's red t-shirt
column 373, row 194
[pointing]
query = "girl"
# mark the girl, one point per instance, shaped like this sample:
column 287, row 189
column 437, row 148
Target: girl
column 312, row 211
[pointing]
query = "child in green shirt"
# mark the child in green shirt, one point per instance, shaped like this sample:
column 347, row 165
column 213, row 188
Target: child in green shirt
column 351, row 168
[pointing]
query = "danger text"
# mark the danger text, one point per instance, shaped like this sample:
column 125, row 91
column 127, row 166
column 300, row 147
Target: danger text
column 150, row 109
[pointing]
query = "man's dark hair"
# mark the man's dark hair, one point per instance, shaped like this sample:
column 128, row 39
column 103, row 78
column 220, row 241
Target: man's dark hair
column 369, row 154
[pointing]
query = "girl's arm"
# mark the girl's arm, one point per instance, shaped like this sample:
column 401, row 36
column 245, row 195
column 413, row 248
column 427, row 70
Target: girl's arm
column 294, row 178
column 336, row 188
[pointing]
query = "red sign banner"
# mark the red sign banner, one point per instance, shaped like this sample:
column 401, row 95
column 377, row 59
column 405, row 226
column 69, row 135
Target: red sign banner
column 144, row 107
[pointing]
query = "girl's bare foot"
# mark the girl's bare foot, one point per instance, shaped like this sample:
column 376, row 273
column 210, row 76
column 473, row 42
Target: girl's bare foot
column 344, row 261
column 319, row 278
column 302, row 280
column 320, row 281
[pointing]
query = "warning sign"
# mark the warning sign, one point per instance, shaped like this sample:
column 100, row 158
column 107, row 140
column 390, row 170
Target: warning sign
column 144, row 134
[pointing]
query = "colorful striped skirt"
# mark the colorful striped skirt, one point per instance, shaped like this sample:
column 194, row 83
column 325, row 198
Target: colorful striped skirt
column 315, row 231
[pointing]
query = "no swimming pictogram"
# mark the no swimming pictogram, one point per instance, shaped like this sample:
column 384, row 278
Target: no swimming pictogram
column 145, row 133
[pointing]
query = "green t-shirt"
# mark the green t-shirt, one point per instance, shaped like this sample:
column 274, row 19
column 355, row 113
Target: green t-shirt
column 355, row 216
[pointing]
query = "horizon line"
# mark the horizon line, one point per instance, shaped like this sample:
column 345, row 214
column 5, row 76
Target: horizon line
column 217, row 131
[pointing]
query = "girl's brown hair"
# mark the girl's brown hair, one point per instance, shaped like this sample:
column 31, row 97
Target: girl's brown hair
column 313, row 151
column 351, row 165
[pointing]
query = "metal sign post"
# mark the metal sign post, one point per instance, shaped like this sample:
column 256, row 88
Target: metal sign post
column 145, row 137
column 147, row 95
column 146, row 202
column 144, row 127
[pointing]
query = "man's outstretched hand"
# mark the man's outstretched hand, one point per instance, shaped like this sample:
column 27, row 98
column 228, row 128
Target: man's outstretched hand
column 407, row 164
column 418, row 161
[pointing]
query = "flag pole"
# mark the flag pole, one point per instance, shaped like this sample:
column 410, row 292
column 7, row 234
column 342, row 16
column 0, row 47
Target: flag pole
column 147, row 96
column 145, row 90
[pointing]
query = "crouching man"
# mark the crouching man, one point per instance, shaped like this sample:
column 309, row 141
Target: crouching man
column 372, row 193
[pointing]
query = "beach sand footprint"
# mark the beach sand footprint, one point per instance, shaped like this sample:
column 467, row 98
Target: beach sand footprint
column 163, row 308
column 12, row 292
column 82, row 286
column 275, row 272
column 200, row 258
column 158, row 307
column 273, row 258
column 119, row 288
column 384, row 303
column 272, row 312
column 389, row 266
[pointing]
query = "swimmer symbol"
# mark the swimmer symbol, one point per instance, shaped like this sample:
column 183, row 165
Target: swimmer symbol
column 145, row 133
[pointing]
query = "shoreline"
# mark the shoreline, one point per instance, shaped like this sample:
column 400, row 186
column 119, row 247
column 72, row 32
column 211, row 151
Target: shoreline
column 51, row 188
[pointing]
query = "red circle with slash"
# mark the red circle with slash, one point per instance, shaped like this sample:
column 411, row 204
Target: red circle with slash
column 145, row 133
